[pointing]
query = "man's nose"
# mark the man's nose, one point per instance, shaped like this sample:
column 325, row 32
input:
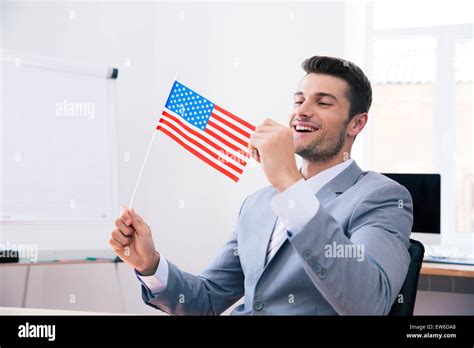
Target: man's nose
column 304, row 111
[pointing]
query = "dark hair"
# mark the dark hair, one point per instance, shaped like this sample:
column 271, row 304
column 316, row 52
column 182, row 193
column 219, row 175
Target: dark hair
column 359, row 92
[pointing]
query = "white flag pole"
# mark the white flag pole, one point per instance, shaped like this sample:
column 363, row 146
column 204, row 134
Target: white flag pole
column 150, row 145
column 130, row 204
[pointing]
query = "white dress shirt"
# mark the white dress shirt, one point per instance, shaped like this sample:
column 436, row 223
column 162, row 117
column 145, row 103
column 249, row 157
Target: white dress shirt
column 290, row 218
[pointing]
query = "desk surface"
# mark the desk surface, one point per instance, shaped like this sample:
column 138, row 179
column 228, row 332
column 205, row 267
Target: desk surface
column 40, row 311
column 448, row 270
column 59, row 262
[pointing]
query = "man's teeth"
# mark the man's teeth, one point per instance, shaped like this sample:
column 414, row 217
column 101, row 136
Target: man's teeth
column 304, row 129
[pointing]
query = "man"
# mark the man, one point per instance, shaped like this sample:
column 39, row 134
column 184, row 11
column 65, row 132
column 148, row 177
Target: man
column 323, row 240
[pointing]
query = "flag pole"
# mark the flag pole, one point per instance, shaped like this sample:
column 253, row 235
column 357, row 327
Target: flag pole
column 130, row 204
column 150, row 145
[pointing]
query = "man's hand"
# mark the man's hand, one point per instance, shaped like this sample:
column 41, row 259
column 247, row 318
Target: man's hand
column 133, row 242
column 272, row 145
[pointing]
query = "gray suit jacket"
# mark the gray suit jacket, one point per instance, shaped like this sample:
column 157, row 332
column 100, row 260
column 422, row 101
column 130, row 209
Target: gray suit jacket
column 361, row 208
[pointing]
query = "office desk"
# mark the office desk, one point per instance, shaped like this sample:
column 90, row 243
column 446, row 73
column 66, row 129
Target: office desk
column 447, row 270
column 445, row 289
column 447, row 278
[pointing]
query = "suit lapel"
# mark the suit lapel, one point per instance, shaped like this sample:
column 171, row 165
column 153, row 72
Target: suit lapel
column 338, row 185
column 267, row 225
column 346, row 179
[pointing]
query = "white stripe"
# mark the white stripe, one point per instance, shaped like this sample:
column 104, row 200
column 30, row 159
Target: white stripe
column 237, row 134
column 219, row 163
column 231, row 120
column 228, row 154
column 225, row 156
column 230, row 140
column 240, row 154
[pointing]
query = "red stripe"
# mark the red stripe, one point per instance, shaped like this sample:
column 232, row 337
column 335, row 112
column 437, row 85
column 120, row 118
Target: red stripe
column 197, row 154
column 229, row 134
column 228, row 143
column 202, row 147
column 235, row 118
column 231, row 125
column 203, row 138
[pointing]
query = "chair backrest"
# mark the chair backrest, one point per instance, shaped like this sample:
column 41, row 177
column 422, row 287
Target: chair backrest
column 405, row 301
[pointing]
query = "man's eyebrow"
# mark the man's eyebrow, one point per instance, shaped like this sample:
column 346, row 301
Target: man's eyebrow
column 320, row 94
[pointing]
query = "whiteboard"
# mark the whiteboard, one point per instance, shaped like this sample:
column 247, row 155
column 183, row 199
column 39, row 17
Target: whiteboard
column 58, row 154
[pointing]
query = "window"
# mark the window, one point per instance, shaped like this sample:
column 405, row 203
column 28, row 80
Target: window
column 421, row 13
column 403, row 107
column 464, row 58
column 422, row 115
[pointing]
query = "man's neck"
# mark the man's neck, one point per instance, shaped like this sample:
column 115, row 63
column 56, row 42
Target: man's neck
column 310, row 169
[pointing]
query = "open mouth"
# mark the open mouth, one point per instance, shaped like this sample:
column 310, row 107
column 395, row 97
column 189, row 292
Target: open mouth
column 304, row 129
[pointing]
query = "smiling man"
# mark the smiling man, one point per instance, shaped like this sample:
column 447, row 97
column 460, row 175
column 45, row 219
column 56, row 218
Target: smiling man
column 325, row 239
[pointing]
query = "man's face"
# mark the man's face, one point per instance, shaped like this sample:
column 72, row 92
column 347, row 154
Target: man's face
column 320, row 117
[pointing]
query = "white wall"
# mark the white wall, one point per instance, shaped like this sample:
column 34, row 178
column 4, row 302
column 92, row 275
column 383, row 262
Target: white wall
column 245, row 57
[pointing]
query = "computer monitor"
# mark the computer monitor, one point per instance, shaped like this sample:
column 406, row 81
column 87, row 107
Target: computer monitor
column 425, row 190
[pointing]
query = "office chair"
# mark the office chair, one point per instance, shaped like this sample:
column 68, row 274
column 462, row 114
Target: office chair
column 410, row 285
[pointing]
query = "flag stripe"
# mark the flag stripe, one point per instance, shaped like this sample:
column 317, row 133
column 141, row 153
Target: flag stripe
column 221, row 149
column 225, row 126
column 226, row 140
column 229, row 124
column 199, row 155
column 241, row 156
column 235, row 118
column 241, row 151
column 220, row 157
column 229, row 134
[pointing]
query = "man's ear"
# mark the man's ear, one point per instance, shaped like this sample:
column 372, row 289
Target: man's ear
column 357, row 123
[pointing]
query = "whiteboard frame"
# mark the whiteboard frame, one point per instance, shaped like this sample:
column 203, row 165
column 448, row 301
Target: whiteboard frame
column 79, row 68
column 70, row 237
column 31, row 59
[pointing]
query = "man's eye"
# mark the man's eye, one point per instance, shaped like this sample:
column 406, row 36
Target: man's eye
column 323, row 104
column 298, row 102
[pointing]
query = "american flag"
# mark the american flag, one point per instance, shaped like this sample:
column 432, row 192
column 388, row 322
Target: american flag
column 211, row 133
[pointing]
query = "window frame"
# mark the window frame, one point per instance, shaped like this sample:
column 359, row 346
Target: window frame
column 445, row 104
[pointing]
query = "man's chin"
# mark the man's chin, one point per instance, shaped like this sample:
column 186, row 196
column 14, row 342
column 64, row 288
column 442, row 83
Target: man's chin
column 303, row 146
column 303, row 152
